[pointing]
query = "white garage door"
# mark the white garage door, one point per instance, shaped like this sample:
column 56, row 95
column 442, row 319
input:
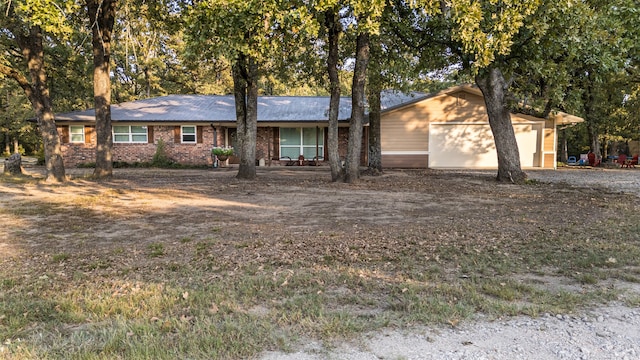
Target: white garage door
column 472, row 146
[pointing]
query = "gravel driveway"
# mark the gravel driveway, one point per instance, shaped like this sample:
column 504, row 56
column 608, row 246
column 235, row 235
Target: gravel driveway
column 610, row 332
column 623, row 180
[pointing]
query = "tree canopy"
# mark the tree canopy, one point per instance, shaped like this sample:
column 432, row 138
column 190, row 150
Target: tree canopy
column 576, row 56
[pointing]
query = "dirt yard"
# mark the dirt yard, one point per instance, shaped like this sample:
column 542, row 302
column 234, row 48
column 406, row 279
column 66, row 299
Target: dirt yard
column 142, row 206
column 288, row 216
column 143, row 220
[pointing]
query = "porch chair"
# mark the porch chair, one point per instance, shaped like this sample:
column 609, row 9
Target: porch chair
column 315, row 162
column 622, row 160
column 287, row 161
column 592, row 159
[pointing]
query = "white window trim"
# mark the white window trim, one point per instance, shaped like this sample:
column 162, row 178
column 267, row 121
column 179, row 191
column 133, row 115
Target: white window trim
column 130, row 134
column 195, row 134
column 72, row 133
column 302, row 146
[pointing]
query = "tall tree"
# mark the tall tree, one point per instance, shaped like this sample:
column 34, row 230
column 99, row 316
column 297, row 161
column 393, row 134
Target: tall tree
column 486, row 30
column 359, row 20
column 252, row 34
column 149, row 56
column 374, row 90
column 400, row 60
column 102, row 15
column 23, row 47
column 495, row 89
column 498, row 41
column 334, row 29
column 245, row 91
column 15, row 132
column 608, row 39
column 354, row 150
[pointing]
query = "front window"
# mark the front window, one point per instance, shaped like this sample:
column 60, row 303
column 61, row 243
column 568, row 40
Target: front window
column 188, row 134
column 77, row 133
column 302, row 141
column 130, row 134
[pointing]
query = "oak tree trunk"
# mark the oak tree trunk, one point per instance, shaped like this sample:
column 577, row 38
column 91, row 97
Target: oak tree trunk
column 38, row 94
column 494, row 88
column 374, row 97
column 564, row 155
column 592, row 121
column 333, row 28
column 102, row 17
column 352, row 167
column 245, row 90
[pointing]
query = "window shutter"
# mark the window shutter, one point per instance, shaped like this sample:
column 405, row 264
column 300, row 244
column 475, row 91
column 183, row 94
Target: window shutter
column 176, row 135
column 150, row 139
column 88, row 133
column 64, row 134
column 276, row 143
column 199, row 131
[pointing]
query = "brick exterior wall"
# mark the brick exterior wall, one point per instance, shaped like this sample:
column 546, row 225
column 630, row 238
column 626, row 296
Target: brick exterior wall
column 188, row 154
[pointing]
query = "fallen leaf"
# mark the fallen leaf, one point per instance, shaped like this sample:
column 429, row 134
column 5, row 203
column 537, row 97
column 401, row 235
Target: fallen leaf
column 214, row 308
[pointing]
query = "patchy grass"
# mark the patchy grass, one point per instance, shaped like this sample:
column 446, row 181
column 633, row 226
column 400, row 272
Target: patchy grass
column 163, row 265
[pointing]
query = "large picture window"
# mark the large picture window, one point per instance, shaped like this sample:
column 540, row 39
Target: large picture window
column 129, row 134
column 302, row 141
column 76, row 133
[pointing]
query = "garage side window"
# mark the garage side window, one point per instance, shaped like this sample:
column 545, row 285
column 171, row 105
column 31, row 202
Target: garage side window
column 76, row 133
column 301, row 141
column 130, row 134
column 188, row 134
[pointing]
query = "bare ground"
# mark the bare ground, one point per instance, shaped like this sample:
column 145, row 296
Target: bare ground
column 286, row 216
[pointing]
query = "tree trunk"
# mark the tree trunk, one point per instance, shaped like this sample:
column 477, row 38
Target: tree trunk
column 245, row 85
column 564, row 151
column 333, row 143
column 38, row 94
column 594, row 139
column 102, row 17
column 375, row 89
column 352, row 168
column 494, row 88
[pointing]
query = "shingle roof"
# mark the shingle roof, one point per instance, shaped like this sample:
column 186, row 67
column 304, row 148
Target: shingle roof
column 213, row 108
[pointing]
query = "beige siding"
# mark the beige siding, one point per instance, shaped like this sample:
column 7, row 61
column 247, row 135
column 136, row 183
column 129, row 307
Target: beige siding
column 549, row 139
column 549, row 161
column 459, row 107
column 405, row 130
column 406, row 140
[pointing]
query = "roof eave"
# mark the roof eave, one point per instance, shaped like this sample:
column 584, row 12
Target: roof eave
column 567, row 119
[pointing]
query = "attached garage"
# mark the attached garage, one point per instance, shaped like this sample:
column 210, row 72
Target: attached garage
column 451, row 130
column 472, row 146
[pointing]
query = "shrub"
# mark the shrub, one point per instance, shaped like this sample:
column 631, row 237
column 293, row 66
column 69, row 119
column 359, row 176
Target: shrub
column 160, row 158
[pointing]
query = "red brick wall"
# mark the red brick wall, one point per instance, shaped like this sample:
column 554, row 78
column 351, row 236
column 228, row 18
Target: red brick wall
column 191, row 154
column 74, row 154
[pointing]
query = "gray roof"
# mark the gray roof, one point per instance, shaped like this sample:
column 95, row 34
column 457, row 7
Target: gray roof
column 214, row 108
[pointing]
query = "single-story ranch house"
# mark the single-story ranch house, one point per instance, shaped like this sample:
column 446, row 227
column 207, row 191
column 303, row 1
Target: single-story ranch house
column 449, row 129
